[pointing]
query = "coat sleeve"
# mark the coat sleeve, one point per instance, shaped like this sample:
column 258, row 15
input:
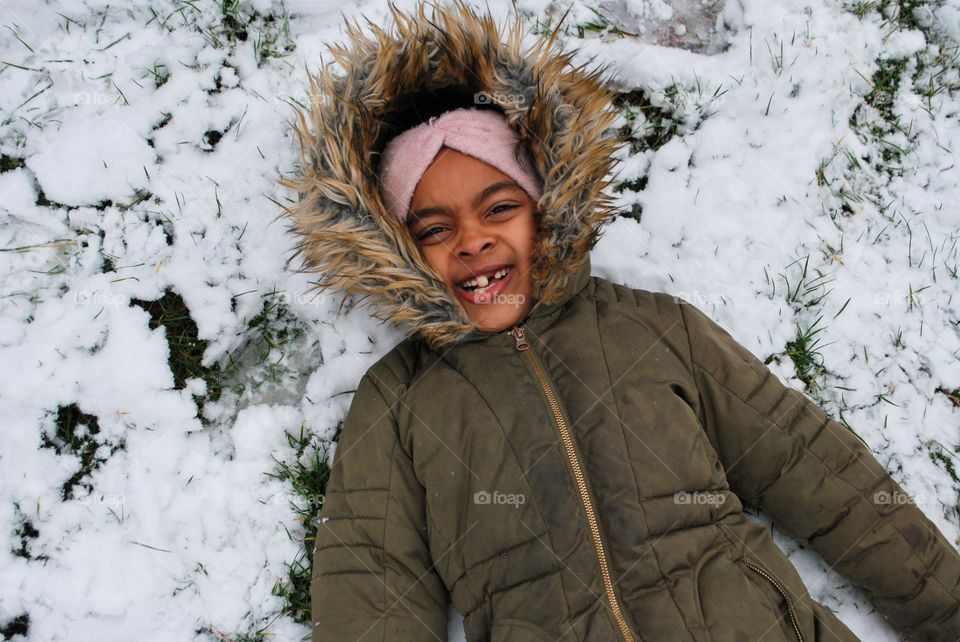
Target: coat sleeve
column 816, row 479
column 373, row 577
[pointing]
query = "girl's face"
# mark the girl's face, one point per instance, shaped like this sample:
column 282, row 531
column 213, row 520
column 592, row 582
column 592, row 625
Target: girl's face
column 471, row 220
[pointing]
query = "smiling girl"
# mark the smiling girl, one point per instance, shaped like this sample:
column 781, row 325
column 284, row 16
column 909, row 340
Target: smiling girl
column 626, row 428
column 471, row 214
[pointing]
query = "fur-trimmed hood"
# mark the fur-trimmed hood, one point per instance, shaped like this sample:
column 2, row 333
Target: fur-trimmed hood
column 563, row 114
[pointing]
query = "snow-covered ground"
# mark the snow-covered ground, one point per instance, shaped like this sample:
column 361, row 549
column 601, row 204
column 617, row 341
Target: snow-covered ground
column 168, row 382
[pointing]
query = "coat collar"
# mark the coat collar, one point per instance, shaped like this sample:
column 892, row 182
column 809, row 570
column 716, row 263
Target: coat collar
column 563, row 114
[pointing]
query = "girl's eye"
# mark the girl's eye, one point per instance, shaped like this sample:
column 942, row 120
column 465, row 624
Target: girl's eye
column 427, row 233
column 499, row 209
column 494, row 210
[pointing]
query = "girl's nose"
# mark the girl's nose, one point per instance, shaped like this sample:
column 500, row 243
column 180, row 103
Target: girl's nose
column 474, row 239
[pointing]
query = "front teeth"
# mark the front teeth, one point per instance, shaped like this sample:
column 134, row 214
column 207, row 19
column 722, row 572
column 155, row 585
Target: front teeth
column 482, row 281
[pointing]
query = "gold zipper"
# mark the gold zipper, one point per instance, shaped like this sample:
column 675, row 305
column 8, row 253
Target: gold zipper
column 786, row 598
column 524, row 347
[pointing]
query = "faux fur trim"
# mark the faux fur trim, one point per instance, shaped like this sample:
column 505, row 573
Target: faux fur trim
column 563, row 114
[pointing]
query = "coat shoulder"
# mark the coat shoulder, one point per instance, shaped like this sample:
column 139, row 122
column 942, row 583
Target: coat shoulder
column 652, row 308
column 402, row 364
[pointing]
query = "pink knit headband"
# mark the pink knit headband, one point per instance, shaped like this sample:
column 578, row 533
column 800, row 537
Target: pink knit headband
column 481, row 133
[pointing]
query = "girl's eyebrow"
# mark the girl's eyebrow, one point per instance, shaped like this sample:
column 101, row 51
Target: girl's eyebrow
column 493, row 189
column 479, row 198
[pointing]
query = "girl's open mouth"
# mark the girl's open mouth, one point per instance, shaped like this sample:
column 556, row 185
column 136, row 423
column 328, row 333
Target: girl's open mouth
column 484, row 289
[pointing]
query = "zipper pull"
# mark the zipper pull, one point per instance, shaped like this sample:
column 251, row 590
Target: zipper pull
column 518, row 334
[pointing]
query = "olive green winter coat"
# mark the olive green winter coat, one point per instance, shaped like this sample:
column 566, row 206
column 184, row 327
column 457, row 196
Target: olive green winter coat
column 583, row 475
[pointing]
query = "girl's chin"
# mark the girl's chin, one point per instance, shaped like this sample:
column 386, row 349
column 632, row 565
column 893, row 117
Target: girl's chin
column 496, row 317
